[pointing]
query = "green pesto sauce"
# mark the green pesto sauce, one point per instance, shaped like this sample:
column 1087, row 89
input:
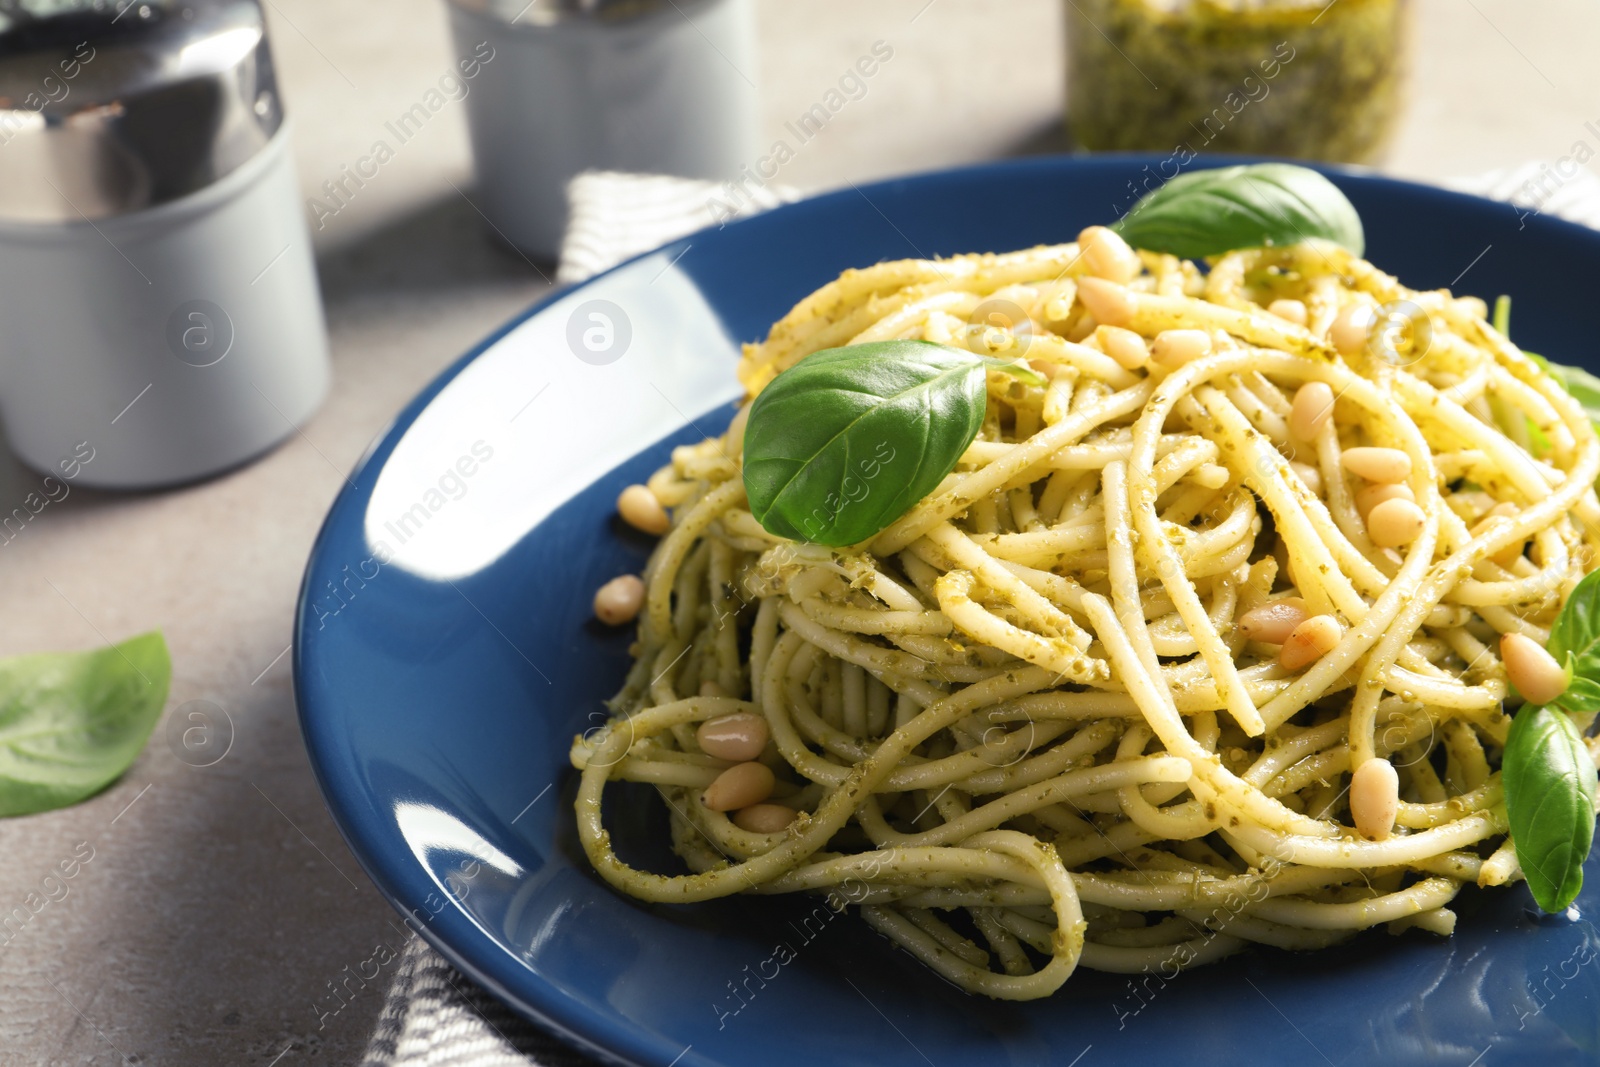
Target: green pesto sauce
column 1276, row 77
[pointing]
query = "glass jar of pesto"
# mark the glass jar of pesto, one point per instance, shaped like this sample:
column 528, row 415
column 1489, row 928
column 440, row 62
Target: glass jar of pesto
column 1302, row 78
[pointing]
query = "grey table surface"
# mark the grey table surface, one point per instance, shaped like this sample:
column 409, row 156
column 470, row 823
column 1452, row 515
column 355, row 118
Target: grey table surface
column 220, row 905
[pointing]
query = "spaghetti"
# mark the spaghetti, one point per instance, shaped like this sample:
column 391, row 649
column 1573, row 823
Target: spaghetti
column 1050, row 716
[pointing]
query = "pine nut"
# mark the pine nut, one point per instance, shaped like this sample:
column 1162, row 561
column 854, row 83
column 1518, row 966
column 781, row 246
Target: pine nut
column 1108, row 302
column 1395, row 522
column 1082, row 326
column 1535, row 672
column 1377, row 464
column 1293, row 310
column 1351, row 328
column 1173, row 348
column 1312, row 408
column 764, row 818
column 710, row 688
column 1108, row 255
column 1308, row 474
column 619, row 600
column 1274, row 621
column 1124, row 346
column 640, row 509
column 1374, row 798
column 1211, row 475
column 1309, row 642
column 739, row 786
column 1370, row 496
column 737, row 738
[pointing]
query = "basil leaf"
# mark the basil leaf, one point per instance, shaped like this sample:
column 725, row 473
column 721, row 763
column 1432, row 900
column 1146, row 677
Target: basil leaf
column 1575, row 643
column 1549, row 783
column 1583, row 693
column 1210, row 212
column 843, row 443
column 1584, row 387
column 1548, row 775
column 72, row 722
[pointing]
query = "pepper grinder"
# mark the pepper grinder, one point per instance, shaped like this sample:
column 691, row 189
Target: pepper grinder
column 158, row 301
column 657, row 86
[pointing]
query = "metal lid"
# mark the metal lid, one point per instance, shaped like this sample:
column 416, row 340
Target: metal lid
column 111, row 107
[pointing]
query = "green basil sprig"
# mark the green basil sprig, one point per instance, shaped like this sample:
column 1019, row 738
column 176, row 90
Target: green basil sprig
column 1549, row 782
column 1575, row 644
column 843, row 443
column 1583, row 386
column 1209, row 212
column 1546, row 770
column 72, row 722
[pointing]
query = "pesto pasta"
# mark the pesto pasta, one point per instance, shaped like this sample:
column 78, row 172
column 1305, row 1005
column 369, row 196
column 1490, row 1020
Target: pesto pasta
column 1197, row 646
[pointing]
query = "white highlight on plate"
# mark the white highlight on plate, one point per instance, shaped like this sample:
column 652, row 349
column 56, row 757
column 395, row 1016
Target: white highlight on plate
column 529, row 424
column 428, row 830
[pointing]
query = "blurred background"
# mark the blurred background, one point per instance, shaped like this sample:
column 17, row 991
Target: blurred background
column 220, row 909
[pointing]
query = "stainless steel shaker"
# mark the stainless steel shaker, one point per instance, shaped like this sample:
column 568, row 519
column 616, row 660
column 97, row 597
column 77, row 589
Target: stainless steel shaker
column 158, row 300
column 659, row 86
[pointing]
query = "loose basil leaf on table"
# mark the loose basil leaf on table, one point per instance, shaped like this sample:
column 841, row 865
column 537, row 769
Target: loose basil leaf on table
column 843, row 443
column 72, row 722
column 1210, row 212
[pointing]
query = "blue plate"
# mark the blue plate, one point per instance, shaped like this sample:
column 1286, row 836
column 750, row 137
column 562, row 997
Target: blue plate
column 445, row 657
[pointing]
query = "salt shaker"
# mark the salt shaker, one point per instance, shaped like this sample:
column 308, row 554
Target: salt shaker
column 659, row 86
column 159, row 312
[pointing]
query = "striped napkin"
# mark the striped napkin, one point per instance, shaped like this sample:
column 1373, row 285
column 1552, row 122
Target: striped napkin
column 434, row 1016
column 614, row 216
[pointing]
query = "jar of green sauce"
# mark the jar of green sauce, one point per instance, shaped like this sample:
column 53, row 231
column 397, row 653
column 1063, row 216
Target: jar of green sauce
column 1305, row 78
